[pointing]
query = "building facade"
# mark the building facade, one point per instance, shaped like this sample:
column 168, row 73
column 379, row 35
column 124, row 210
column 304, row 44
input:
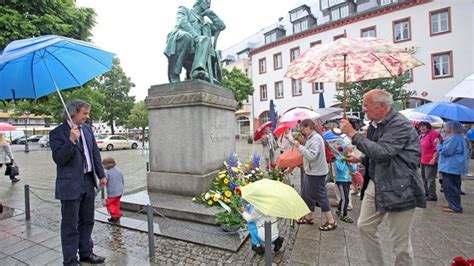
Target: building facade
column 439, row 33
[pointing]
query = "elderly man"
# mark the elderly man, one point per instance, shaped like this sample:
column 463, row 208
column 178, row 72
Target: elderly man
column 192, row 35
column 392, row 185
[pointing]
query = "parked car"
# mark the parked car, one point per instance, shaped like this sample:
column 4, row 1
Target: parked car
column 115, row 142
column 19, row 140
column 44, row 141
column 34, row 138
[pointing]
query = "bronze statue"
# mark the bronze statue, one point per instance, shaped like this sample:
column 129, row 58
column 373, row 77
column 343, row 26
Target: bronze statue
column 192, row 44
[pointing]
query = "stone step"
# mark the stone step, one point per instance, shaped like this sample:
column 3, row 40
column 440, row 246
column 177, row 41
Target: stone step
column 172, row 206
column 198, row 233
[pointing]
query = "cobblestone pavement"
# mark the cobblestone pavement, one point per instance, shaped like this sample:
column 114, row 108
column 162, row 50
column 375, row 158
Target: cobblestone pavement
column 437, row 238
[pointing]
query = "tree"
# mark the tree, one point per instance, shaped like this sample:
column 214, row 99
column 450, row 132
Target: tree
column 26, row 19
column 238, row 83
column 355, row 91
column 138, row 118
column 115, row 86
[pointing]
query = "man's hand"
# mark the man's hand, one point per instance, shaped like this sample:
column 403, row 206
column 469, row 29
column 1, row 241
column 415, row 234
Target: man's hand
column 103, row 182
column 346, row 128
column 74, row 134
column 353, row 159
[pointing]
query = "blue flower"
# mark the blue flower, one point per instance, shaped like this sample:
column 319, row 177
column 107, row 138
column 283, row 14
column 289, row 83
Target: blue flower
column 255, row 160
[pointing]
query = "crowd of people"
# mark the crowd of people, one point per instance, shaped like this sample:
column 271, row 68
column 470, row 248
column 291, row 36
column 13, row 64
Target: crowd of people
column 402, row 161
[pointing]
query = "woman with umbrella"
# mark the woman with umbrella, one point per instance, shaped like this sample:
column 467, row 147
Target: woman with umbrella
column 316, row 169
column 269, row 146
column 452, row 164
column 6, row 156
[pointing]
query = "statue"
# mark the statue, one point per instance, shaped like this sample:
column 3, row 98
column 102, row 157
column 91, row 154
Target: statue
column 192, row 44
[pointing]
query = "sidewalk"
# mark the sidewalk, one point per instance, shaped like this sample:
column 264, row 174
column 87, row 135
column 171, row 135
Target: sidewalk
column 438, row 237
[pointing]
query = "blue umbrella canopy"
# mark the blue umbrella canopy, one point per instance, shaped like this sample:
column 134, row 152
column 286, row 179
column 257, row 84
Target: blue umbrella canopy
column 35, row 67
column 272, row 115
column 450, row 111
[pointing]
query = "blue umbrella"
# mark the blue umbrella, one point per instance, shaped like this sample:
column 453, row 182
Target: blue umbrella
column 321, row 101
column 272, row 115
column 449, row 111
column 35, row 67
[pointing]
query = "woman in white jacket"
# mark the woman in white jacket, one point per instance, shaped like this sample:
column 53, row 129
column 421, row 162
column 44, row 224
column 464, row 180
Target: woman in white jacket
column 6, row 156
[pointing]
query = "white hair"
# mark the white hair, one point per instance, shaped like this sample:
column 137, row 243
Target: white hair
column 380, row 96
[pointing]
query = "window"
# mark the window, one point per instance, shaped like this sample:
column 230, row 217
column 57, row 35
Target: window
column 263, row 93
column 300, row 26
column 340, row 36
column 269, row 38
column 296, row 87
column 277, row 64
column 318, row 87
column 368, row 32
column 294, row 53
column 442, row 65
column 265, row 117
column 262, row 66
column 279, row 89
column 315, row 43
column 440, row 21
column 298, row 13
column 324, row 4
column 401, row 30
column 340, row 12
column 385, row 2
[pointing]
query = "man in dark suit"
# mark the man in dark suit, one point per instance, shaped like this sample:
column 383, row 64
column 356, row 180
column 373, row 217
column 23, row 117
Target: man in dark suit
column 77, row 159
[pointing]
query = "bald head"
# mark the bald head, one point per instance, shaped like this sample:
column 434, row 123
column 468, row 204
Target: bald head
column 377, row 104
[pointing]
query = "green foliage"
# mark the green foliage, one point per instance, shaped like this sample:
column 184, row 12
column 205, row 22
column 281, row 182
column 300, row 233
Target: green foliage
column 355, row 91
column 115, row 86
column 138, row 117
column 26, row 19
column 236, row 81
column 231, row 220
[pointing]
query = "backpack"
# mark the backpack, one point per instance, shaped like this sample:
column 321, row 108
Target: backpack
column 329, row 152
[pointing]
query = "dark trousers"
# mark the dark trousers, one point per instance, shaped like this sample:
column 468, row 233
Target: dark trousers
column 428, row 173
column 452, row 191
column 344, row 188
column 77, row 223
column 313, row 191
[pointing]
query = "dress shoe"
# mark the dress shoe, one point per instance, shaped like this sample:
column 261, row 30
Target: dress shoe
column 93, row 259
column 199, row 74
column 14, row 180
column 174, row 78
column 278, row 243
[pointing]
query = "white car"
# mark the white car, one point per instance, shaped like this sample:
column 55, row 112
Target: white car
column 115, row 142
column 44, row 141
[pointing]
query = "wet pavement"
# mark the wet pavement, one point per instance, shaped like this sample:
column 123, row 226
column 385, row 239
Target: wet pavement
column 438, row 237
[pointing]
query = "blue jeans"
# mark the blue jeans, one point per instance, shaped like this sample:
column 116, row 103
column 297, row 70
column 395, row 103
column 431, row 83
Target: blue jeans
column 254, row 234
column 452, row 191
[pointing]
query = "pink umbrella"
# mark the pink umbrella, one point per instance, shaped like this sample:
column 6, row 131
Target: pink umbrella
column 351, row 60
column 298, row 114
column 283, row 126
column 7, row 127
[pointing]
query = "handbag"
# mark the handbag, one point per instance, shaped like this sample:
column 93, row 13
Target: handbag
column 290, row 158
column 12, row 170
column 357, row 178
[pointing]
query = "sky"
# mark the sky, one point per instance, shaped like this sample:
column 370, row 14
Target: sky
column 136, row 30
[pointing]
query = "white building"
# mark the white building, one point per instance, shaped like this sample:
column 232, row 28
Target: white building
column 439, row 33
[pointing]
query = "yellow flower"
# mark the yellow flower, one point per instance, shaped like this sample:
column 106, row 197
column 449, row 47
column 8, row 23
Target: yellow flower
column 228, row 193
column 235, row 169
column 209, row 202
column 215, row 198
column 225, row 200
column 226, row 181
column 222, row 176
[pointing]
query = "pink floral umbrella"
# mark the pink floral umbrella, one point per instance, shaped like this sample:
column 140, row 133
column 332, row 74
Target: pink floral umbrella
column 351, row 60
column 298, row 114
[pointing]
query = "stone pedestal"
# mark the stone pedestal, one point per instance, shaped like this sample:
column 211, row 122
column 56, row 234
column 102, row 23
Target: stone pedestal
column 191, row 132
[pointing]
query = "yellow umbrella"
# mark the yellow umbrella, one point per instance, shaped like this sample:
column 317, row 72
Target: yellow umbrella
column 273, row 198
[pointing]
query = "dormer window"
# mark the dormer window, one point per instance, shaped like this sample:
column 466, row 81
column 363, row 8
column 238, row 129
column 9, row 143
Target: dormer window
column 274, row 35
column 301, row 18
column 340, row 12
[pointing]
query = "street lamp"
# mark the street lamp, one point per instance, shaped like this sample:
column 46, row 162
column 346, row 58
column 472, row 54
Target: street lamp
column 27, row 148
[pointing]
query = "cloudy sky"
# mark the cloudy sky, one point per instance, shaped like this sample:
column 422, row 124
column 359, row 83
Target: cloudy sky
column 136, row 30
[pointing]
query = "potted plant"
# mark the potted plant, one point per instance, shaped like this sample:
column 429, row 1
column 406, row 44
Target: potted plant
column 230, row 221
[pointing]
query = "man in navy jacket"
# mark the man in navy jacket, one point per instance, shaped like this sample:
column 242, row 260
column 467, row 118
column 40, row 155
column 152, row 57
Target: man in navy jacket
column 78, row 162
